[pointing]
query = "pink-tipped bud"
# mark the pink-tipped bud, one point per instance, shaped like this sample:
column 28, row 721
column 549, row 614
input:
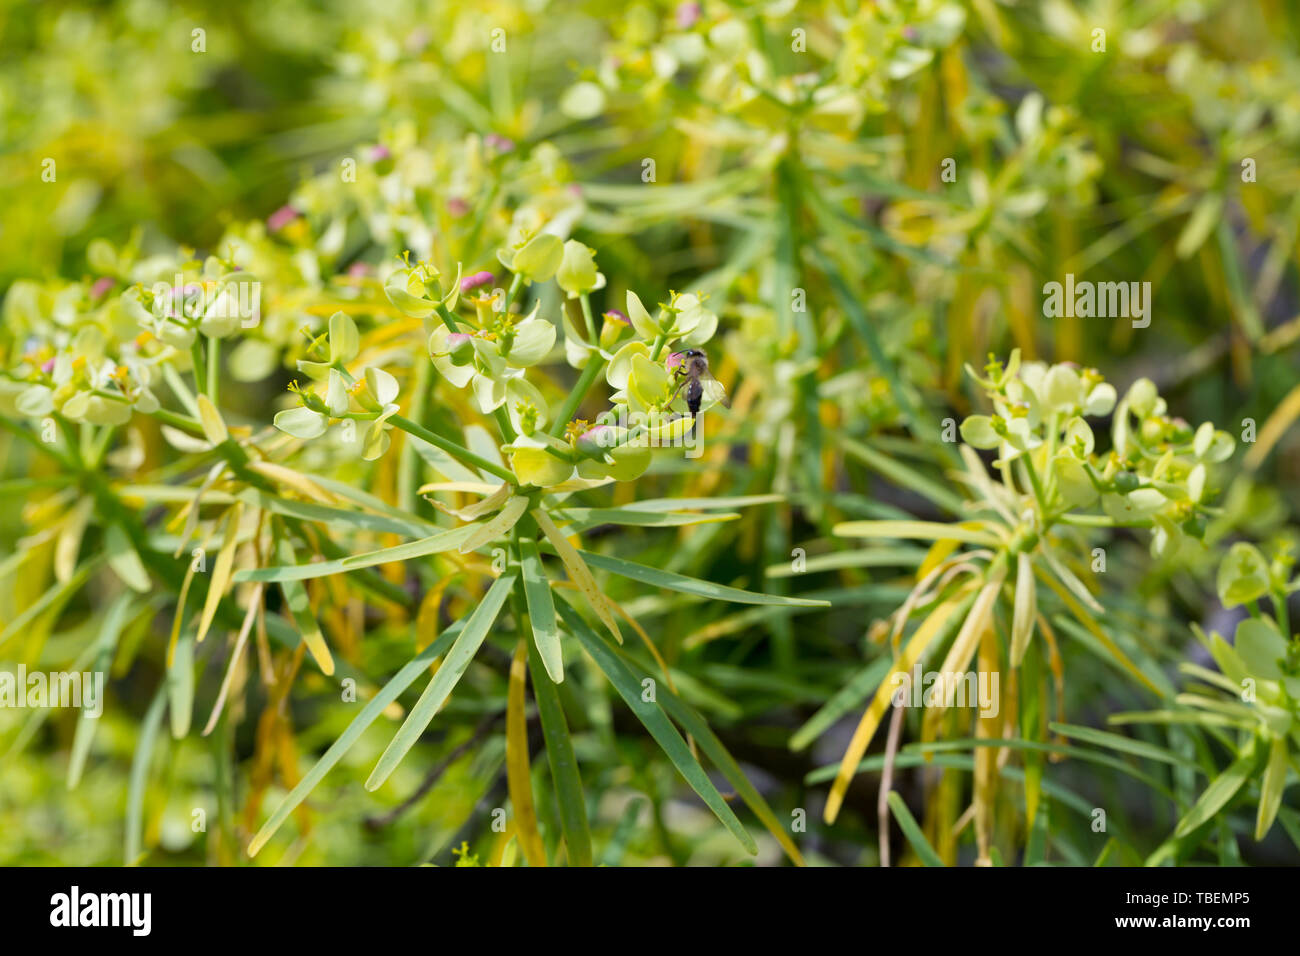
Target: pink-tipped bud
column 688, row 14
column 379, row 153
column 281, row 218
column 460, row 348
column 500, row 143
column 675, row 359
column 457, row 206
column 615, row 326
column 595, row 441
column 102, row 285
column 469, row 283
column 47, row 366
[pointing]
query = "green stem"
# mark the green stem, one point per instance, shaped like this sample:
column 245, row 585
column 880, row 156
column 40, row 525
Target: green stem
column 503, row 422
column 408, row 476
column 196, row 355
column 1033, row 480
column 214, row 369
column 1095, row 521
column 586, row 316
column 660, row 341
column 595, row 365
column 73, row 440
column 450, row 447
column 515, row 283
column 183, row 422
column 448, row 319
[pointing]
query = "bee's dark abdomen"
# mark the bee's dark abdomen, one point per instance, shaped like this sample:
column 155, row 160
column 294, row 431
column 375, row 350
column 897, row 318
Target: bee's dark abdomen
column 694, row 393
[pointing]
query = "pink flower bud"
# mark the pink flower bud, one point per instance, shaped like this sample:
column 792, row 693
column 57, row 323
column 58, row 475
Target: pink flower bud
column 102, row 285
column 460, row 348
column 281, row 218
column 457, row 206
column 595, row 440
column 473, row 282
column 687, row 14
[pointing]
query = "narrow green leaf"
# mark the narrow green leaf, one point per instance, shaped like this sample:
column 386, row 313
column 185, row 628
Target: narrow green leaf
column 180, row 685
column 541, row 609
column 373, row 708
column 1270, row 790
column 584, row 519
column 562, row 761
column 903, row 475
column 912, row 830
column 139, row 773
column 656, row 721
column 702, row 504
column 105, row 645
column 298, row 602
column 695, row 725
column 1139, row 748
column 327, row 515
column 848, row 698
column 124, row 561
column 54, row 598
column 434, row 544
column 687, row 585
column 1222, row 789
column 444, row 680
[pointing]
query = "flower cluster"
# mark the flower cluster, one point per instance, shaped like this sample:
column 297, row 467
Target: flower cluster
column 478, row 341
column 1156, row 474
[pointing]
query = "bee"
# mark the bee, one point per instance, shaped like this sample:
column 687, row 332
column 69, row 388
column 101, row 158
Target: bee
column 692, row 370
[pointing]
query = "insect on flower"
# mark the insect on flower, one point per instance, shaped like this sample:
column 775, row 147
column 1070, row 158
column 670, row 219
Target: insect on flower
column 692, row 370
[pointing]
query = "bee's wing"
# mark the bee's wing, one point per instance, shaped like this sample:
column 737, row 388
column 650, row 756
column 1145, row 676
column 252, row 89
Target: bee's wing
column 714, row 393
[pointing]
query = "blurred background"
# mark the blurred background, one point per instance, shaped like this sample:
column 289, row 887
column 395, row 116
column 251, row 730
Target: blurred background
column 915, row 171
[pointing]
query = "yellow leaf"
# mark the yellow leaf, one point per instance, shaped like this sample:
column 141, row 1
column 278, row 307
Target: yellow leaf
column 969, row 532
column 214, row 429
column 1282, row 417
column 963, row 646
column 1026, row 608
column 986, row 758
column 221, row 571
column 937, row 554
column 491, row 530
column 470, row 487
column 866, row 729
column 68, row 545
column 578, row 571
column 519, row 779
column 180, row 614
column 292, row 479
column 1090, row 623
